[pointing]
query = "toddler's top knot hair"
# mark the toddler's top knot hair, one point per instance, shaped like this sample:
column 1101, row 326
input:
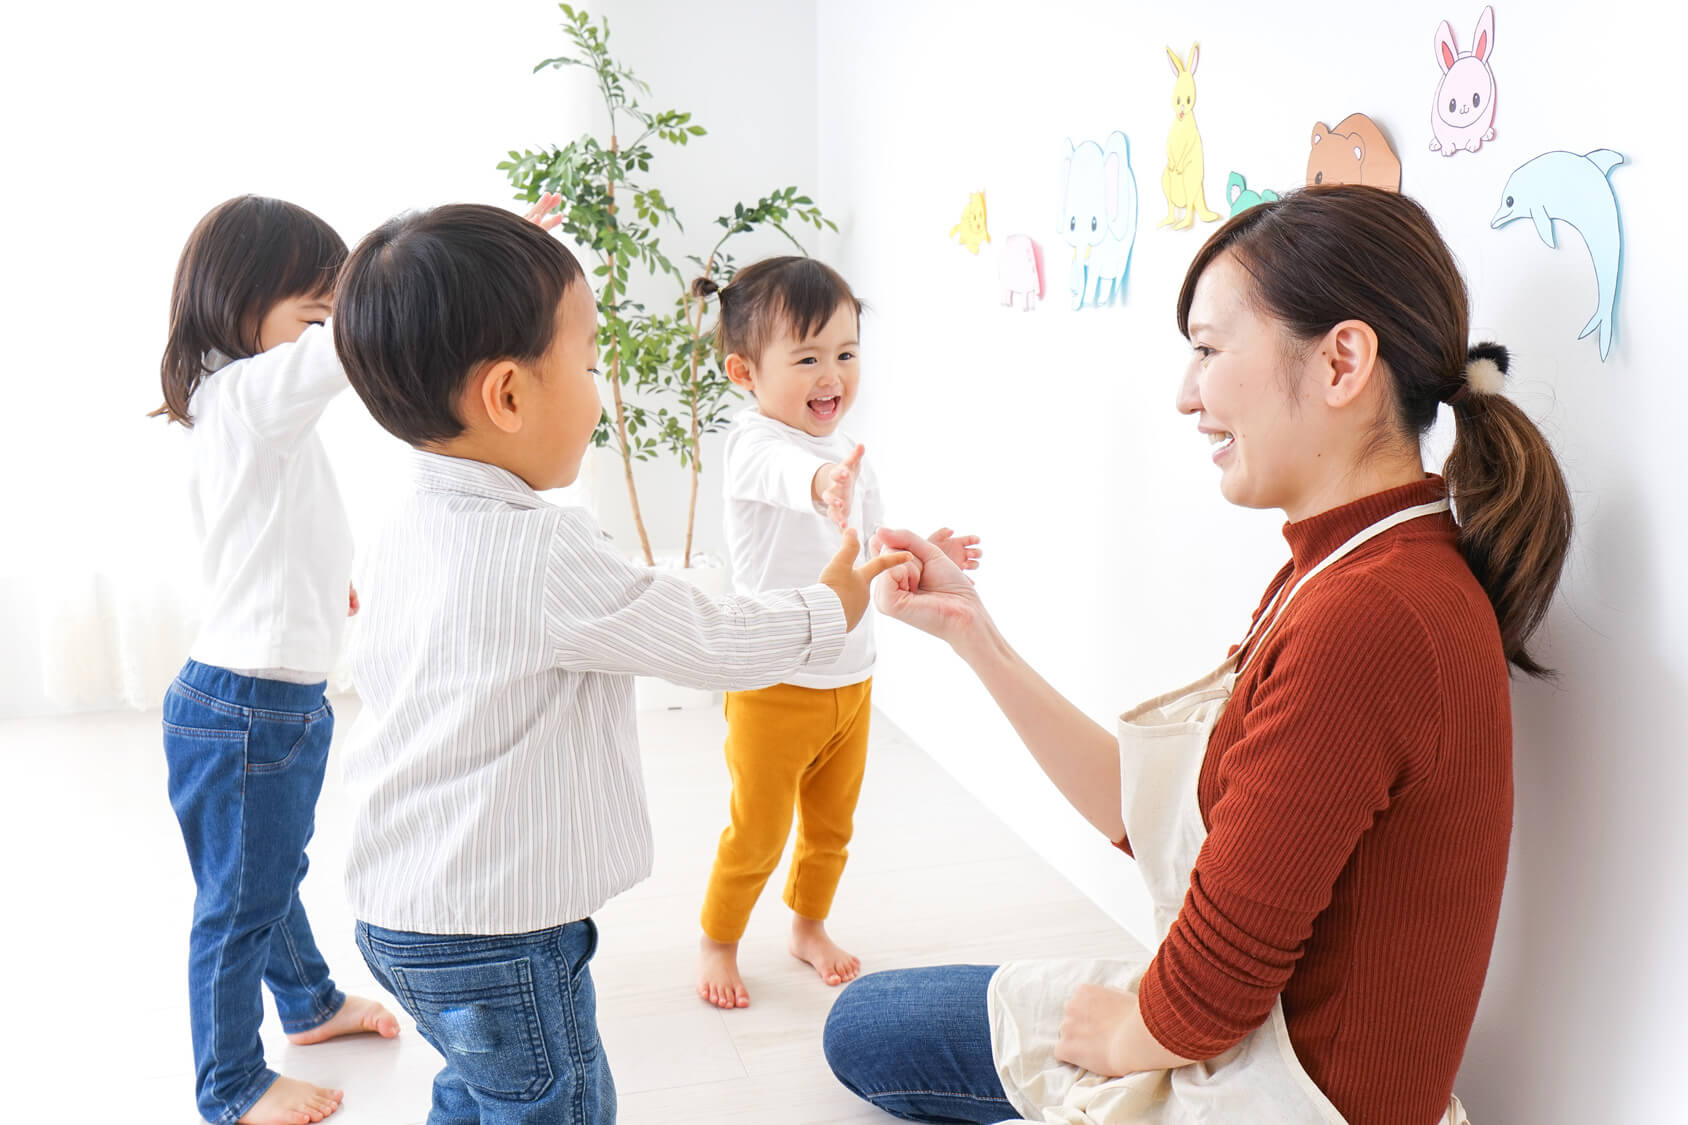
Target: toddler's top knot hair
column 1485, row 372
column 703, row 288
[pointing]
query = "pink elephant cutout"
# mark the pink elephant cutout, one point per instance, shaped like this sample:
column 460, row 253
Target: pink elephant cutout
column 1019, row 271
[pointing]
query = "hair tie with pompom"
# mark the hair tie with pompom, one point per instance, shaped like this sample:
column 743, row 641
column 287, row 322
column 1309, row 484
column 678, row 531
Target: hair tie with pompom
column 1485, row 372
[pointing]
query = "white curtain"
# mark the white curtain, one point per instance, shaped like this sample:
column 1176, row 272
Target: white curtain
column 99, row 608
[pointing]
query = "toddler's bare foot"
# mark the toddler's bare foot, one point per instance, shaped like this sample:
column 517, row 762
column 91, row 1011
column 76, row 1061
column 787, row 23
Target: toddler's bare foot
column 718, row 979
column 809, row 942
column 356, row 1016
column 289, row 1101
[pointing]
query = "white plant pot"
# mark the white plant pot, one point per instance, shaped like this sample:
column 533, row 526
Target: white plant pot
column 709, row 575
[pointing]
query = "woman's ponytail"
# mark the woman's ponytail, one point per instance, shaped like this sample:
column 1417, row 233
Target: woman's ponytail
column 1510, row 498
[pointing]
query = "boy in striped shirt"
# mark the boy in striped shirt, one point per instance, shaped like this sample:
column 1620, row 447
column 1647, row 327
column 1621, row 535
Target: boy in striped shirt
column 494, row 770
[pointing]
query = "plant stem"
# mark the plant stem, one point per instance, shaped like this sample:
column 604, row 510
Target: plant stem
column 697, row 448
column 615, row 388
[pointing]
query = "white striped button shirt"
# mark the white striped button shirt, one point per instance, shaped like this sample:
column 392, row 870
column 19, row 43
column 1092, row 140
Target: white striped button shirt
column 495, row 769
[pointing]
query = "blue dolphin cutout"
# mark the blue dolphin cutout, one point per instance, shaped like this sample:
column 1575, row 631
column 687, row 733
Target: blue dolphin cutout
column 1576, row 190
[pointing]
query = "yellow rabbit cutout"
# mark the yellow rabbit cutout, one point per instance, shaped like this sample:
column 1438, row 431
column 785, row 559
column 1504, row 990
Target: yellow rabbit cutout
column 1181, row 183
column 971, row 228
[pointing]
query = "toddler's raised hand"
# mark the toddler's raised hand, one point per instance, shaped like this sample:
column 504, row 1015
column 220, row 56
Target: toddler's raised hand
column 834, row 487
column 544, row 214
column 963, row 550
column 854, row 584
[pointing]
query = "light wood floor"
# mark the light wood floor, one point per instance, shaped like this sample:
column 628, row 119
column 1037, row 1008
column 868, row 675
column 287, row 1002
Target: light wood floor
column 98, row 901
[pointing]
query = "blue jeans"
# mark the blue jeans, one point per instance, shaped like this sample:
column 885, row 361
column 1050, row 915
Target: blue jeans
column 514, row 1015
column 917, row 1044
column 246, row 760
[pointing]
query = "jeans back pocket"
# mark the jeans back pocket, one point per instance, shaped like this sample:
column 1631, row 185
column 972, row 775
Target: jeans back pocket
column 485, row 1019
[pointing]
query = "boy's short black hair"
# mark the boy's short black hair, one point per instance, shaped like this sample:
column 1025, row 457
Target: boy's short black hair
column 430, row 296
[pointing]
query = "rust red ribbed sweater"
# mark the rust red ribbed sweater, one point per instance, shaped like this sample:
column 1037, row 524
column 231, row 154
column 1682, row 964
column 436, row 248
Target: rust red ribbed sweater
column 1358, row 798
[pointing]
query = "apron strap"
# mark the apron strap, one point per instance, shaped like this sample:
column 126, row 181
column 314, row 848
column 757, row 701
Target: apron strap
column 1274, row 612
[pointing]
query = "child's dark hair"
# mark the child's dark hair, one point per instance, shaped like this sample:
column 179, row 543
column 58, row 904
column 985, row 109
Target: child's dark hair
column 765, row 297
column 430, row 296
column 246, row 256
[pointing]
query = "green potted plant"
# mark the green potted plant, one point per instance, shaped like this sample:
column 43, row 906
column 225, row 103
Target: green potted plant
column 667, row 388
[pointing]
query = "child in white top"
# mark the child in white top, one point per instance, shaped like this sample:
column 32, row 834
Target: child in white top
column 248, row 370
column 789, row 331
column 495, row 768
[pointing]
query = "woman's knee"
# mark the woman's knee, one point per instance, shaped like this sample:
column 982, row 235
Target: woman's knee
column 847, row 1023
column 888, row 1020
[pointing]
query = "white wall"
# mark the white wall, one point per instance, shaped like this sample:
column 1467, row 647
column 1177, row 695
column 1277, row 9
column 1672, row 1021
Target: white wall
column 130, row 122
column 1112, row 562
column 745, row 71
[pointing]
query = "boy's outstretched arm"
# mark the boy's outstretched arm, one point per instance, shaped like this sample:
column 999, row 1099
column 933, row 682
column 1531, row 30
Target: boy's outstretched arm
column 605, row 614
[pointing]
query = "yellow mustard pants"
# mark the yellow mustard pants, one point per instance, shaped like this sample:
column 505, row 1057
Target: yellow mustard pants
column 788, row 749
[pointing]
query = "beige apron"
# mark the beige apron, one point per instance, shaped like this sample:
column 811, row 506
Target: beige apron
column 1259, row 1081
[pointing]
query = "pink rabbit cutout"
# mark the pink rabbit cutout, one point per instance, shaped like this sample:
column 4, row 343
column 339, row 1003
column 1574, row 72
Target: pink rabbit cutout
column 1463, row 115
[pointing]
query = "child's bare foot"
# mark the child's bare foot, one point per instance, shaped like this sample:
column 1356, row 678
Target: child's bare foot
column 809, row 942
column 356, row 1016
column 289, row 1101
column 718, row 979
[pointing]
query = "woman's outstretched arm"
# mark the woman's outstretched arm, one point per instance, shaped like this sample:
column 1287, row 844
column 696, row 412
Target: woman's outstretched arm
column 1080, row 756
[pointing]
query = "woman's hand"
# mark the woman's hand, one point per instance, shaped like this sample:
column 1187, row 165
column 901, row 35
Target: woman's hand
column 1103, row 1032
column 1079, row 754
column 930, row 593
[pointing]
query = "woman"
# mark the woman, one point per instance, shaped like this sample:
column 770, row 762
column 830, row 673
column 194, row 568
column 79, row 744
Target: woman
column 1323, row 820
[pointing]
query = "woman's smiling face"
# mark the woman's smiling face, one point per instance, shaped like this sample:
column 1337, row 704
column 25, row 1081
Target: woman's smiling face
column 1249, row 392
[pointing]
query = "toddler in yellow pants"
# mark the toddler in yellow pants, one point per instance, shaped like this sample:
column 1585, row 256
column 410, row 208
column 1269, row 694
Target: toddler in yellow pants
column 789, row 333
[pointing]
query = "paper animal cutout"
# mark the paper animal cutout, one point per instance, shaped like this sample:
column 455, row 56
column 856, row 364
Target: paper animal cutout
column 1019, row 269
column 1575, row 190
column 971, row 228
column 1181, row 183
column 1238, row 195
column 1098, row 216
column 1355, row 152
column 1463, row 115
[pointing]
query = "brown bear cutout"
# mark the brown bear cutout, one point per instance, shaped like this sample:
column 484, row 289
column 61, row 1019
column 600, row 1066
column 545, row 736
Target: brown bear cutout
column 1355, row 152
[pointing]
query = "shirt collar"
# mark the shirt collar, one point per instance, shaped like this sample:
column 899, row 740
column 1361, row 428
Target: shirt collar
column 814, row 441
column 1311, row 539
column 435, row 472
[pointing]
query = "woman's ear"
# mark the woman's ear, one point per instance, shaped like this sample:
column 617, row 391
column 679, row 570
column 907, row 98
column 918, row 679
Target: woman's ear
column 738, row 370
column 497, row 390
column 1350, row 354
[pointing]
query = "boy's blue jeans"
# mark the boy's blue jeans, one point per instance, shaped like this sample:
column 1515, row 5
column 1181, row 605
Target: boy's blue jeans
column 246, row 760
column 514, row 1015
column 917, row 1044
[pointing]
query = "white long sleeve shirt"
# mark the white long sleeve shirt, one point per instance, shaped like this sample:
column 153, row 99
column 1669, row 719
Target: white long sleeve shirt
column 778, row 537
column 495, row 770
column 275, row 545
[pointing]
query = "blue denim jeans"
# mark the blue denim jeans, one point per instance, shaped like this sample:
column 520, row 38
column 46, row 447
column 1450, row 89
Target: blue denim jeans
column 514, row 1015
column 246, row 760
column 917, row 1044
